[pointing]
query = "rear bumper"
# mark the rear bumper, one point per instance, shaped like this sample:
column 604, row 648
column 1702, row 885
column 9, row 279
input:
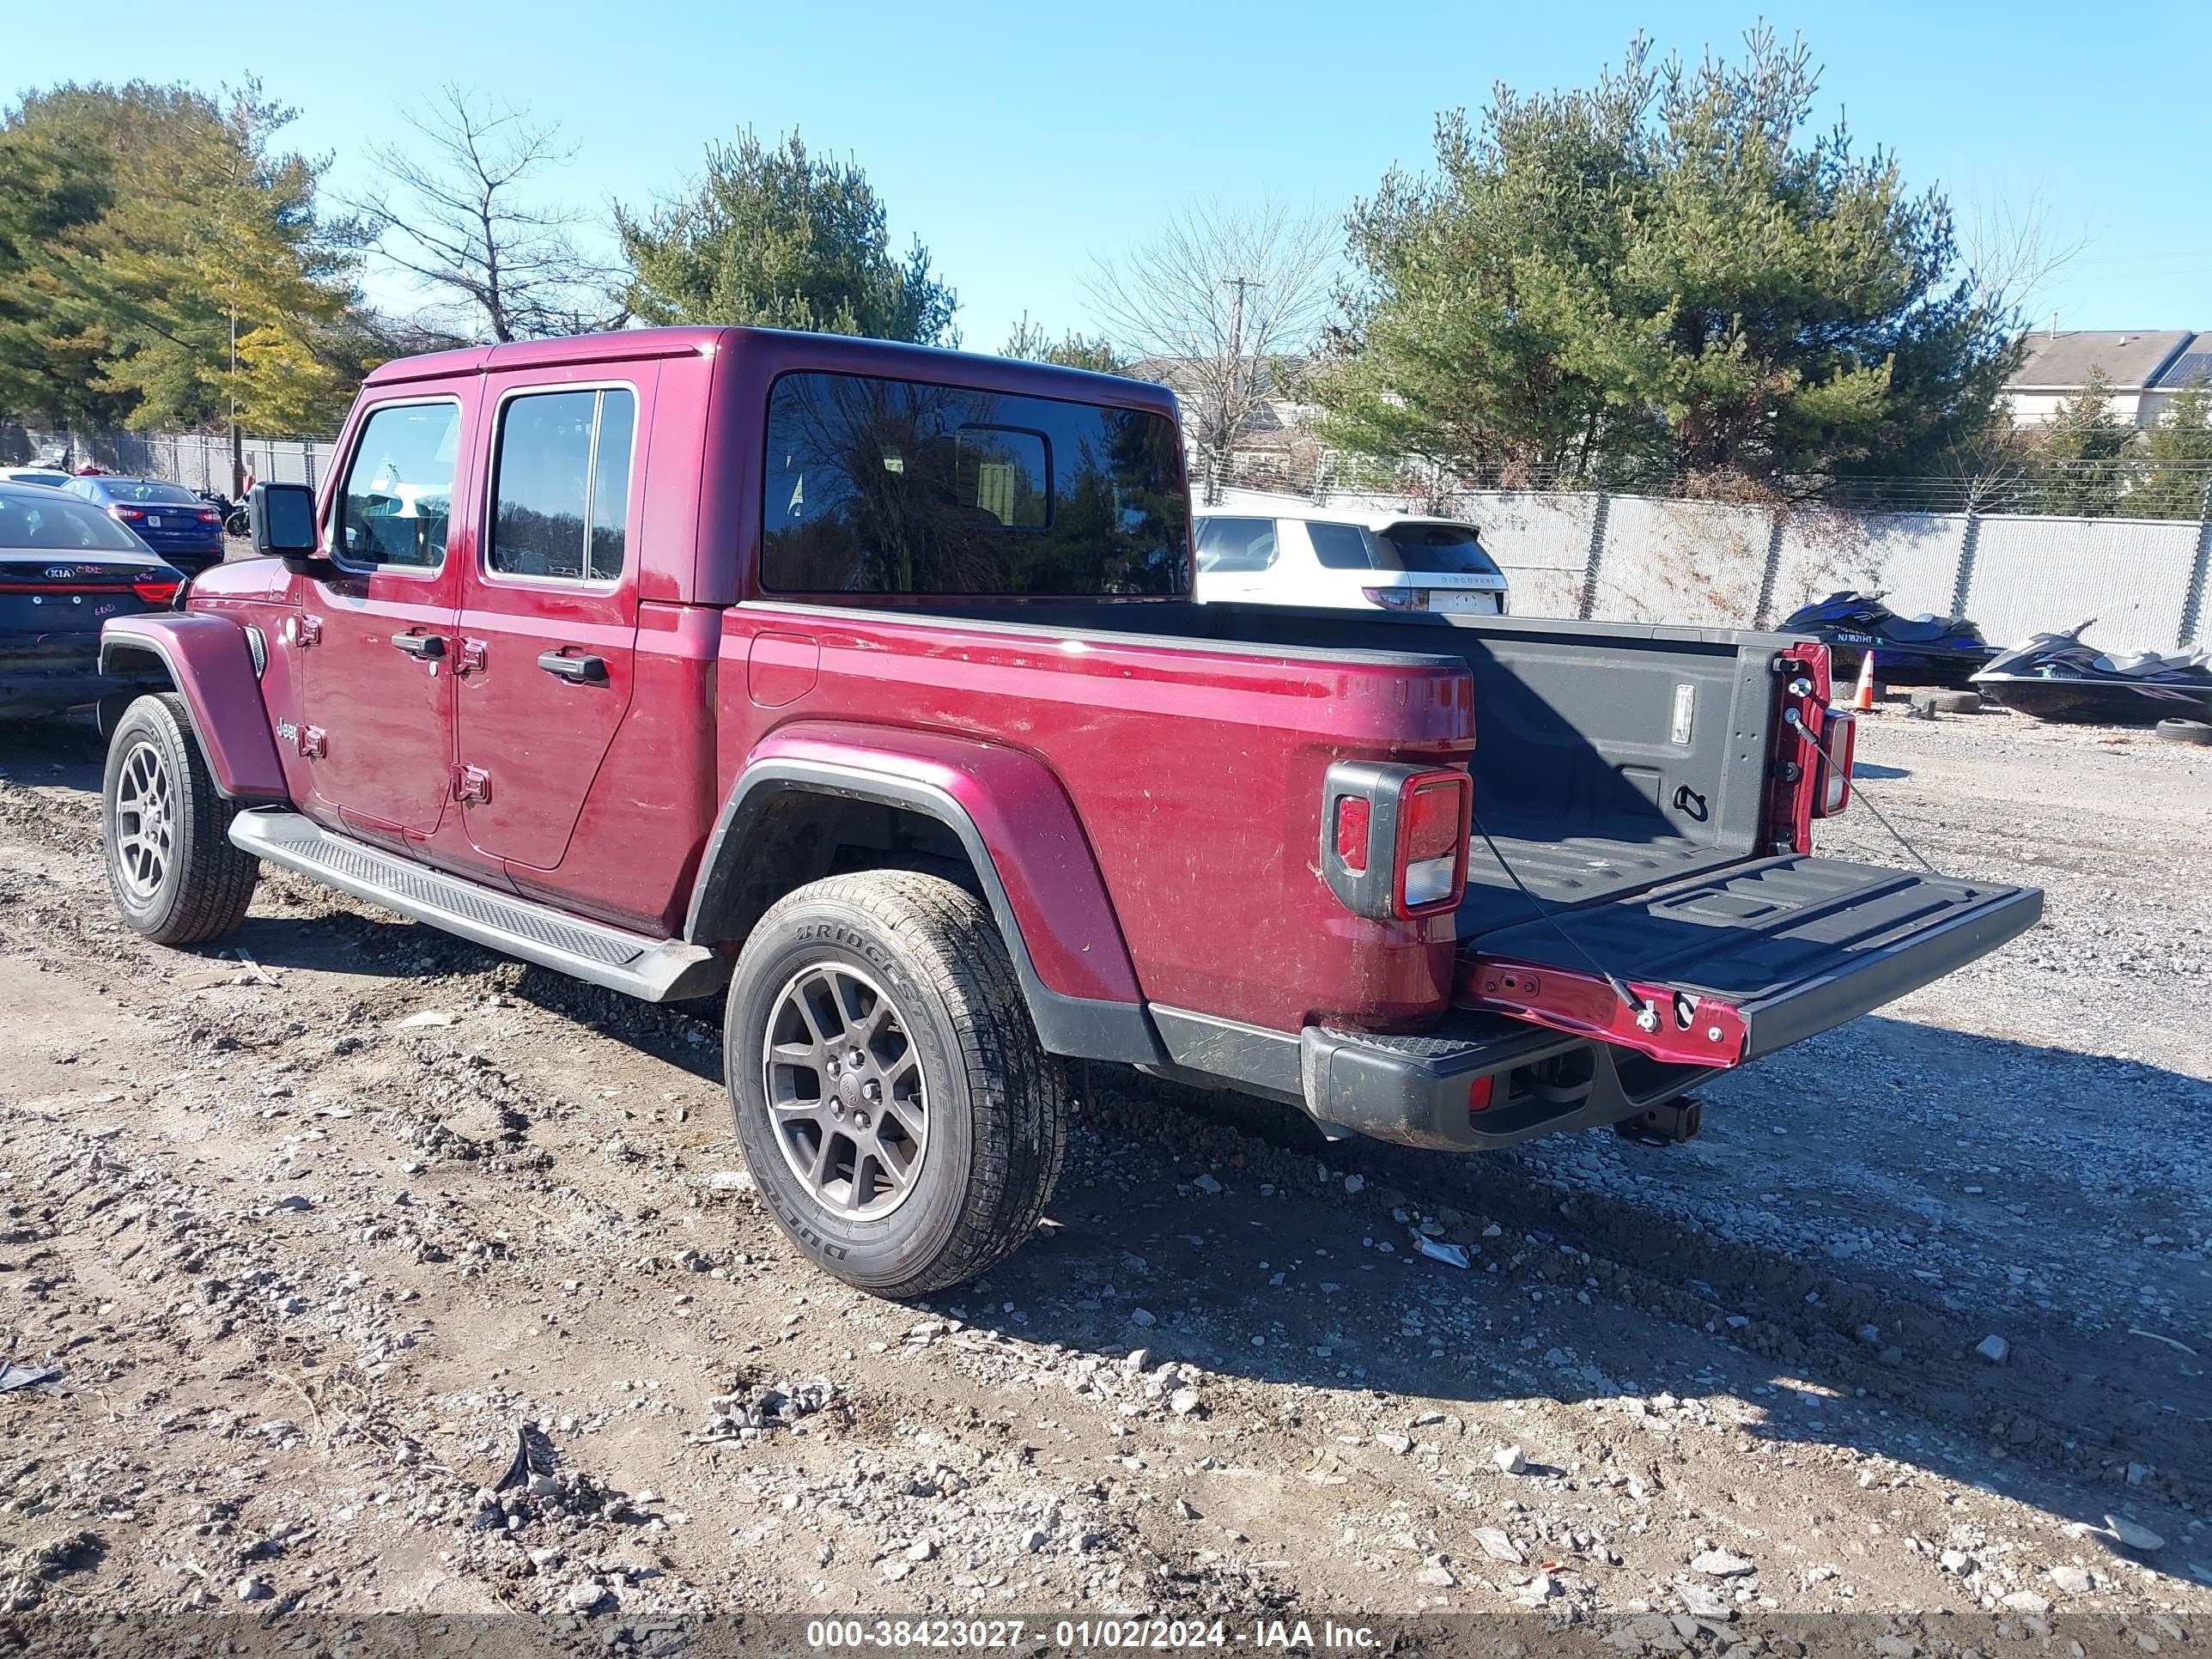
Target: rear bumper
column 192, row 561
column 1416, row 1091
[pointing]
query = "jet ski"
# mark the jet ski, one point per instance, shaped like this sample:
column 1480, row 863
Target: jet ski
column 1923, row 650
column 2060, row 677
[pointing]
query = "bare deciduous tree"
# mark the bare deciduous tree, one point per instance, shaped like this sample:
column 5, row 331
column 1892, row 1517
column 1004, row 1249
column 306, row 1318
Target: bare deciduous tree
column 1221, row 295
column 457, row 219
column 2014, row 249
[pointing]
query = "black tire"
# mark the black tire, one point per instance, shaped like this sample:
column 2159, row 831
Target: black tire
column 177, row 878
column 995, row 1103
column 2196, row 731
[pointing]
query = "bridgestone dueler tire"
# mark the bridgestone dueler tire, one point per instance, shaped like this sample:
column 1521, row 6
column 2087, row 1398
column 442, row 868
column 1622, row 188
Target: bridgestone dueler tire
column 997, row 1102
column 206, row 884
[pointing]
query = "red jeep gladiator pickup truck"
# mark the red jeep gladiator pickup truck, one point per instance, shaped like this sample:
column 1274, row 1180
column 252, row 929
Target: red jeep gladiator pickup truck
column 865, row 681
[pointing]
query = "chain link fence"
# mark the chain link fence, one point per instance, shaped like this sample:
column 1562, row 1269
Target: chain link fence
column 1601, row 555
column 197, row 460
column 1619, row 556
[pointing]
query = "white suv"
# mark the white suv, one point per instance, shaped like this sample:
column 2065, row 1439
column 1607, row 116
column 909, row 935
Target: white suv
column 1277, row 549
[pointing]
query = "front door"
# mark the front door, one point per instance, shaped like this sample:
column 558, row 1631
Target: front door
column 377, row 707
column 549, row 609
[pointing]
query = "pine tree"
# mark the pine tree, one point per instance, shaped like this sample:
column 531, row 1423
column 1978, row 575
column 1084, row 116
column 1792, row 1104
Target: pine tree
column 783, row 239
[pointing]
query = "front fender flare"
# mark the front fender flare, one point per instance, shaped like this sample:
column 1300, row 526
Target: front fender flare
column 1022, row 835
column 212, row 665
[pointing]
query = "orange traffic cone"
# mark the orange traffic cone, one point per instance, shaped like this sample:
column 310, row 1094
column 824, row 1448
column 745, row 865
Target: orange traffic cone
column 1862, row 699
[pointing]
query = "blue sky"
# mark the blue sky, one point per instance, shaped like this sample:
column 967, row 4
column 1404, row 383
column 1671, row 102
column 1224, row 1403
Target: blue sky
column 1021, row 141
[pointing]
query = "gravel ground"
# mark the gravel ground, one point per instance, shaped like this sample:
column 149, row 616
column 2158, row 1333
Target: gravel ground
column 379, row 1274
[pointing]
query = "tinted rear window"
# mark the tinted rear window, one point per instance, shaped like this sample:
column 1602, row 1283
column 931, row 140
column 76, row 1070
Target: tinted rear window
column 138, row 489
column 1448, row 548
column 876, row 486
column 61, row 524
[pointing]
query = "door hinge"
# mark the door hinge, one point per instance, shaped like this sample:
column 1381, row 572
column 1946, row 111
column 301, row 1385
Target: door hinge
column 303, row 629
column 471, row 785
column 470, row 657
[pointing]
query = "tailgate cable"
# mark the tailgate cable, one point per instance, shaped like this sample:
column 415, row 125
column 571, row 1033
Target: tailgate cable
column 1647, row 1017
column 1792, row 719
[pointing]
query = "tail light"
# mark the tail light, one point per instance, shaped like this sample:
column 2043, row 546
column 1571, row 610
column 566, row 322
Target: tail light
column 156, row 592
column 126, row 514
column 1393, row 839
column 1396, row 599
column 1433, row 841
column 1840, row 738
column 209, row 515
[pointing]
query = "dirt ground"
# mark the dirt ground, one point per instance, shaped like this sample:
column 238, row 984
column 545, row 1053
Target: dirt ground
column 379, row 1274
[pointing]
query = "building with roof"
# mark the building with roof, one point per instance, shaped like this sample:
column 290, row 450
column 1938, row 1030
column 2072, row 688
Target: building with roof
column 2142, row 369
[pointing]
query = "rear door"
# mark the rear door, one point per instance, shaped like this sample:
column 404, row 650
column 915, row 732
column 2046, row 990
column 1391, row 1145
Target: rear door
column 548, row 607
column 1743, row 961
column 1240, row 558
column 375, row 642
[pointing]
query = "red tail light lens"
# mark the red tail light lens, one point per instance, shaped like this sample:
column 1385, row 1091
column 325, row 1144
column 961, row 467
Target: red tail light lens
column 1434, row 815
column 156, row 592
column 125, row 512
column 1479, row 1093
column 1353, row 816
column 1432, row 822
column 211, row 516
column 1396, row 599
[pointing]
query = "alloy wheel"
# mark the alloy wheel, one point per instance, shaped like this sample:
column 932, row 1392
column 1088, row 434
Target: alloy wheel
column 145, row 821
column 845, row 1092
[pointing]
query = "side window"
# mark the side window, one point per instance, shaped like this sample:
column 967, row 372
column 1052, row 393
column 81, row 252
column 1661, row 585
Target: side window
column 561, row 485
column 1232, row 546
column 1340, row 546
column 398, row 494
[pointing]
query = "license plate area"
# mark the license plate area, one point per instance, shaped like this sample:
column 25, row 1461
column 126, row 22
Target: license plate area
column 1767, row 954
column 1463, row 601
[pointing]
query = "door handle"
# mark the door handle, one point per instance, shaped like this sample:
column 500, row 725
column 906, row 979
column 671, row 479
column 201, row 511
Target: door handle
column 578, row 670
column 421, row 645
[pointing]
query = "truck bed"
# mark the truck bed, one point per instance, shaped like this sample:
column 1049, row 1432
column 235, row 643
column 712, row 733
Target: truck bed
column 1579, row 779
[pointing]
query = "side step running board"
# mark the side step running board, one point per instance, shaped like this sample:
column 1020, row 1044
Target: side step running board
column 657, row 970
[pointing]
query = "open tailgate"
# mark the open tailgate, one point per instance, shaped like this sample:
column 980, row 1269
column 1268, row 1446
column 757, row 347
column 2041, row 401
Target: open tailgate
column 1737, row 964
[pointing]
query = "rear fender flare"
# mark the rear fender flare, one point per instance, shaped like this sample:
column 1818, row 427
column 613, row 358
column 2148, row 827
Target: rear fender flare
column 212, row 665
column 1093, row 1010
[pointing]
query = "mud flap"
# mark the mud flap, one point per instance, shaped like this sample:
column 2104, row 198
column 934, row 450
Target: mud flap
column 1725, row 968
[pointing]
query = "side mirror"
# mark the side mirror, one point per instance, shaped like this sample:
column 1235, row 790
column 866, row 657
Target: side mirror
column 283, row 517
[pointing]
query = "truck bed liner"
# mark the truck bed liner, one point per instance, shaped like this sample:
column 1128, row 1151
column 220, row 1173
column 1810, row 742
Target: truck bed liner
column 1566, row 871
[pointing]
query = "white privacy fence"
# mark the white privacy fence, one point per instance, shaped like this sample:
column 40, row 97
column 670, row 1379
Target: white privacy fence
column 1634, row 558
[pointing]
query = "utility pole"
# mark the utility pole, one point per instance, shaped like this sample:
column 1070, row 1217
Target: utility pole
column 237, row 445
column 1233, row 401
column 1237, row 315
